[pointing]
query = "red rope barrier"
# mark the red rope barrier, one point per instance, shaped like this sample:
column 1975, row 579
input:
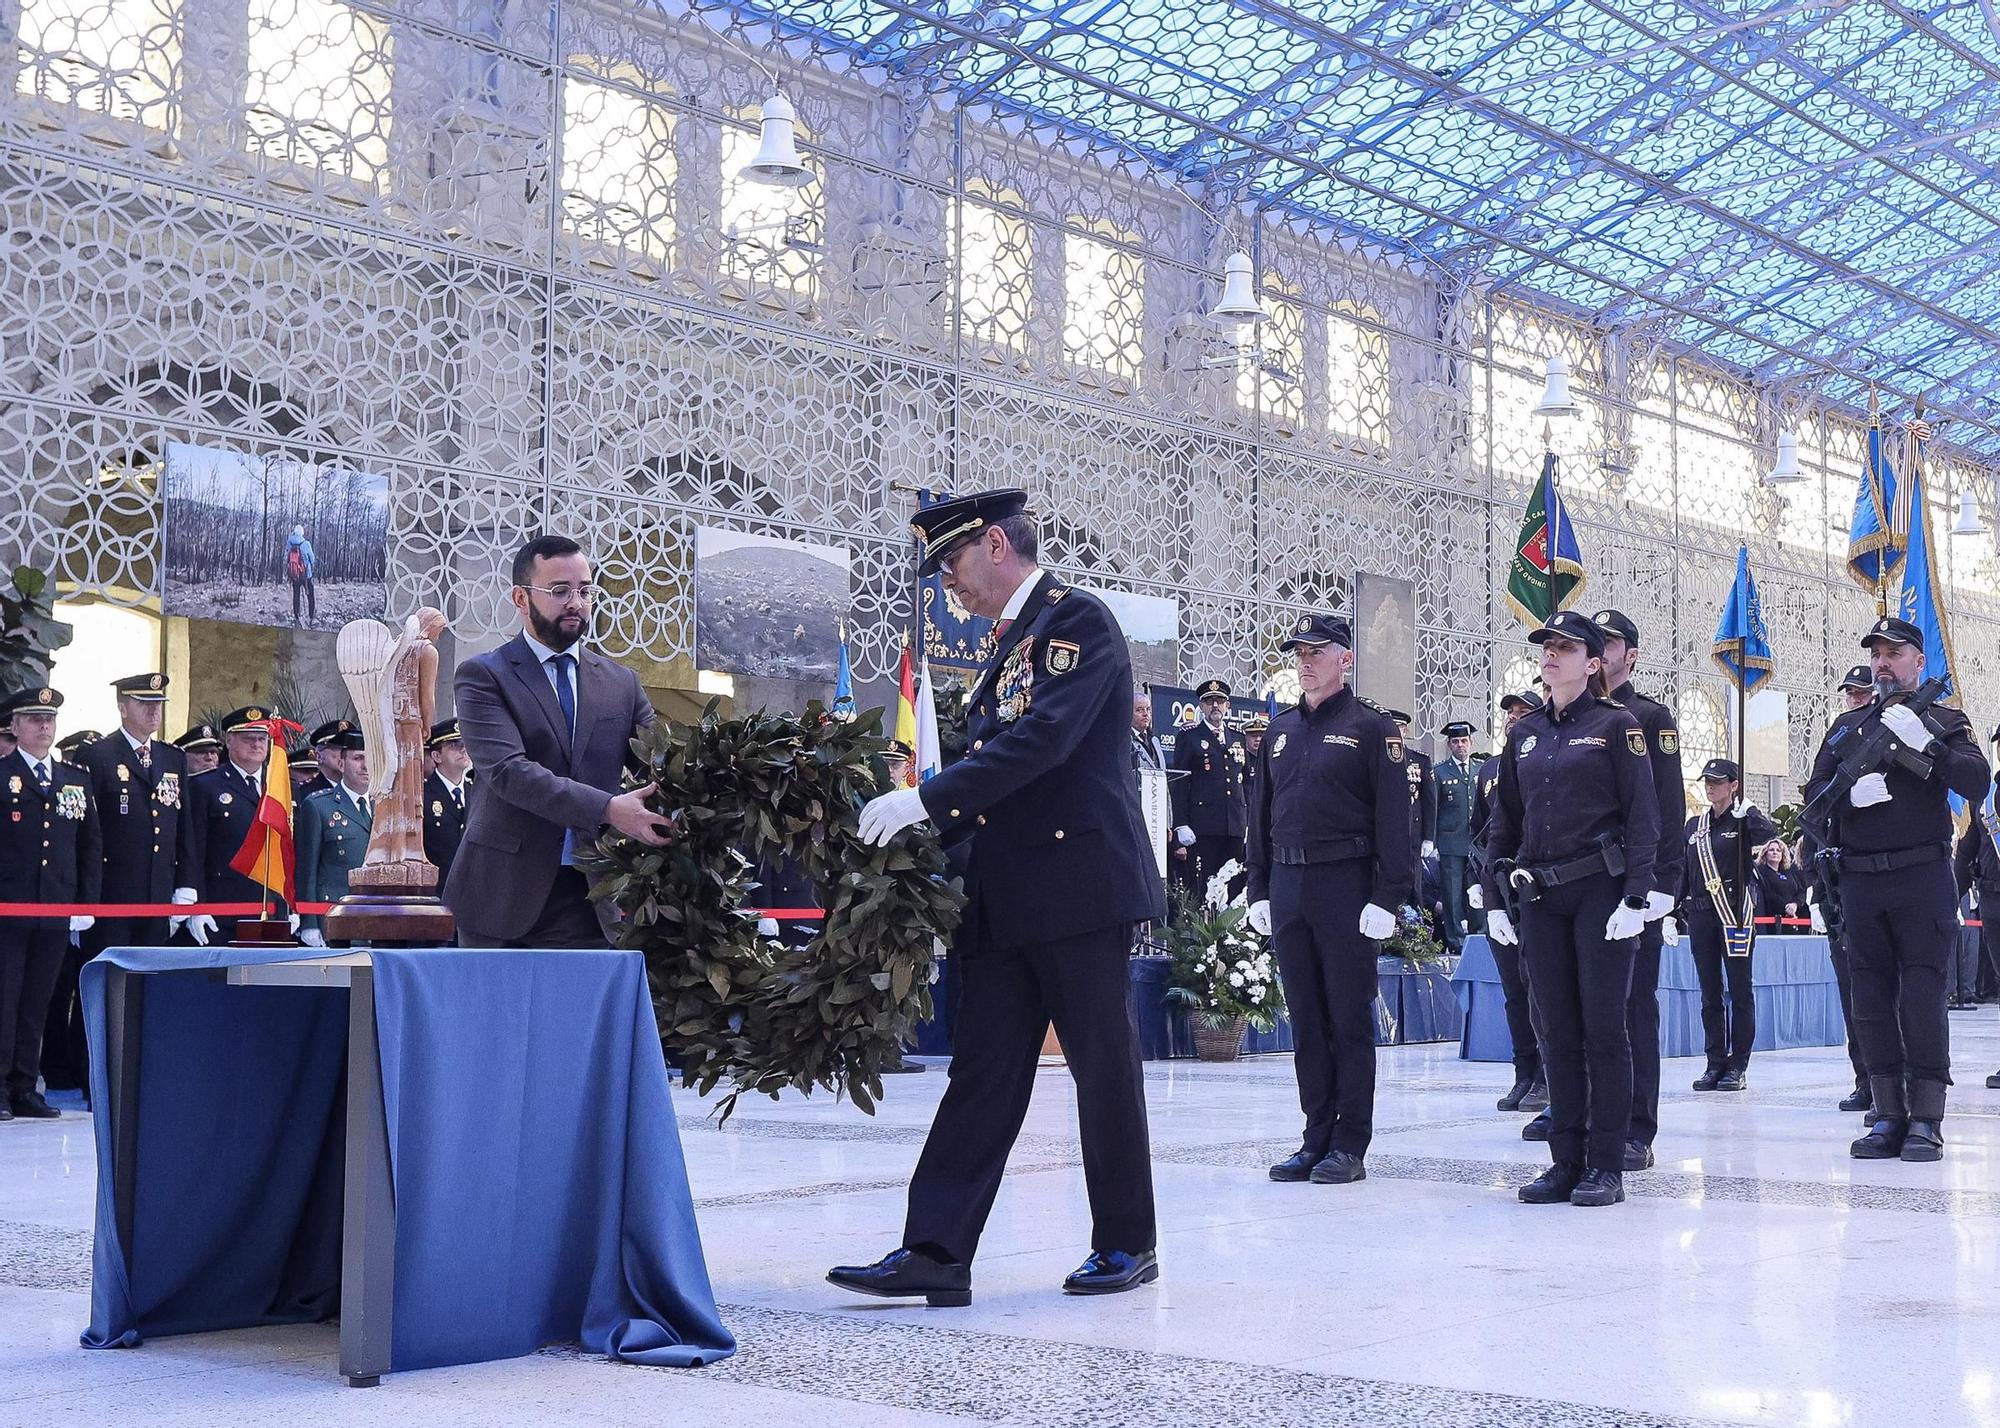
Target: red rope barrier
column 251, row 909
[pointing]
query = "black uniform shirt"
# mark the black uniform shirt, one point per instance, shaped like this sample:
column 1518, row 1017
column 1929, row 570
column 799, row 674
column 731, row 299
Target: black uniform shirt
column 1325, row 777
column 1663, row 747
column 1569, row 779
column 1725, row 837
column 1919, row 809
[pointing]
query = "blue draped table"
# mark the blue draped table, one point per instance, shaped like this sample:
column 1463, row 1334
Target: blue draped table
column 498, row 1163
column 1798, row 1002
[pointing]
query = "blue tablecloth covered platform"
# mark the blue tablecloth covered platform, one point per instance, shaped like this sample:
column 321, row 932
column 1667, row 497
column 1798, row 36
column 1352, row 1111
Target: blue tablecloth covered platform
column 531, row 1179
column 1798, row 1001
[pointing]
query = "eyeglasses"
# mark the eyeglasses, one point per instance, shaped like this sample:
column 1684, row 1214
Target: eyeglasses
column 564, row 592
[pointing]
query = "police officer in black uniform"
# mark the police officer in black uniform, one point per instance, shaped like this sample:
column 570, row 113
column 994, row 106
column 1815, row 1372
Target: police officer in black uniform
column 50, row 851
column 446, row 789
column 1058, row 871
column 1330, row 860
column 1663, row 748
column 1530, row 1091
column 1456, row 780
column 1205, row 790
column 1728, row 1003
column 1856, row 688
column 70, row 745
column 1898, row 904
column 201, row 748
column 219, row 808
column 1574, row 834
column 1976, row 868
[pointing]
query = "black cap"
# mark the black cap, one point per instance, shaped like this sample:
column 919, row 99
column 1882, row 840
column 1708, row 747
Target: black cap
column 1721, row 769
column 349, row 741
column 326, row 732
column 1860, row 677
column 1213, row 689
column 70, row 743
column 1398, row 715
column 445, row 731
column 1897, row 632
column 1527, row 701
column 1616, row 624
column 150, row 687
column 201, row 736
column 1571, row 626
column 898, row 750
column 37, row 699
column 243, row 720
column 943, row 528
column 1457, row 729
column 1318, row 630
column 302, row 758
column 1257, row 724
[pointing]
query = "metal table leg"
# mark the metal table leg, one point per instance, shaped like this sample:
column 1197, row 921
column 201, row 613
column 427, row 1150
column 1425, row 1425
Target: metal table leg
column 368, row 1240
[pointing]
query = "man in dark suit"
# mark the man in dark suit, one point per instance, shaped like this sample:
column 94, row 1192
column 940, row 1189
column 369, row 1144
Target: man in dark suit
column 549, row 723
column 446, row 787
column 1058, row 871
column 50, row 851
column 1206, row 790
column 216, row 813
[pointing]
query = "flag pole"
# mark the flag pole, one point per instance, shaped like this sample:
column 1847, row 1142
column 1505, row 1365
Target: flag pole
column 1743, row 774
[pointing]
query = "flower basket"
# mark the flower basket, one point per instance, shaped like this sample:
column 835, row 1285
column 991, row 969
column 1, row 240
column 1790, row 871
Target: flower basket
column 1218, row 1038
column 1222, row 974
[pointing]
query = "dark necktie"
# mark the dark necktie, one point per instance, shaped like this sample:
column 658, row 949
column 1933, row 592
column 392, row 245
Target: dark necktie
column 458, row 798
column 41, row 776
column 565, row 694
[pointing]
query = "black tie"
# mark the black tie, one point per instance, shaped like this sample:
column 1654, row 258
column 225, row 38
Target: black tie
column 42, row 775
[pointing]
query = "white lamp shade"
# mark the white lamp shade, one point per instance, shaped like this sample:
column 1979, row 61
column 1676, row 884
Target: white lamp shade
column 1968, row 522
column 777, row 162
column 1556, row 400
column 1238, row 304
column 1786, row 472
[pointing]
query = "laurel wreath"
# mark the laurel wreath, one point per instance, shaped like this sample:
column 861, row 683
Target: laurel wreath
column 746, row 1010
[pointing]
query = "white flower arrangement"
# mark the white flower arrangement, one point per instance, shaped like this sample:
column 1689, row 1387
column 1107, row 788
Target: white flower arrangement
column 1223, row 968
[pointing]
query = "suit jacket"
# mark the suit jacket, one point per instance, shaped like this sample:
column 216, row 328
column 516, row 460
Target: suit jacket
column 330, row 838
column 217, row 810
column 1207, row 795
column 50, row 845
column 139, row 813
column 444, row 822
column 1045, row 804
column 532, row 785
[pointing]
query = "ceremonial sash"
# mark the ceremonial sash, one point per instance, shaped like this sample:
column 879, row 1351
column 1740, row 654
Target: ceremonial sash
column 1737, row 928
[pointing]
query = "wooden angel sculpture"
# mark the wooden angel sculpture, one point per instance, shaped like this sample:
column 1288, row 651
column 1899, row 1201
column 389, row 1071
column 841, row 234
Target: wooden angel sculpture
column 393, row 681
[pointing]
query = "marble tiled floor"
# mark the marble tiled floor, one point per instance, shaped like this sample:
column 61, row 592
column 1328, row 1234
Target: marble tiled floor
column 1757, row 1276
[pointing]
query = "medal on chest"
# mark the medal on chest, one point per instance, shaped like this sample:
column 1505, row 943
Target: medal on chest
column 169, row 792
column 1014, row 686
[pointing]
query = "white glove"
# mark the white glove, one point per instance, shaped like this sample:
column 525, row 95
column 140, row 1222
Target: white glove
column 1500, row 929
column 767, row 927
column 1624, row 922
column 1869, row 790
column 1428, row 850
column 1907, row 725
column 182, row 897
column 313, row 937
column 1818, row 922
column 1377, row 922
column 1670, row 931
column 82, row 923
column 887, row 814
column 292, row 923
column 1260, row 917
column 199, row 927
column 1184, row 835
column 1658, row 905
column 1475, row 898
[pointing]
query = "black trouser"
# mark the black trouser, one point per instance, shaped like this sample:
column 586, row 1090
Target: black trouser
column 1642, row 1029
column 305, row 588
column 1328, row 971
column 31, row 955
column 1520, row 1011
column 1987, row 984
column 1007, row 997
column 1728, row 1003
column 65, row 1048
column 1581, row 985
column 568, row 919
column 1901, row 929
column 1451, row 883
column 1204, row 859
column 1843, row 978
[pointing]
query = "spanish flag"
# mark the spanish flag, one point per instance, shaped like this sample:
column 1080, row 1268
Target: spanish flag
column 266, row 855
column 906, row 712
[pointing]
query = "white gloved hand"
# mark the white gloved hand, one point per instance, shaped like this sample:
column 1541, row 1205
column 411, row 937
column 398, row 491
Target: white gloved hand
column 1818, row 922
column 887, row 814
column 1907, row 725
column 181, row 898
column 199, row 927
column 1475, row 898
column 1869, row 790
column 767, row 927
column 1377, row 922
column 1260, row 917
column 1658, row 905
column 292, row 923
column 1500, row 929
column 313, row 937
column 82, row 923
column 1428, row 850
column 1670, row 931
column 1184, row 835
column 1624, row 922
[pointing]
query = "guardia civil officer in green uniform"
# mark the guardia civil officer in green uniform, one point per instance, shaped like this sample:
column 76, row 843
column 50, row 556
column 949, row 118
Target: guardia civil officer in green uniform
column 1457, row 782
column 1721, row 843
column 1574, row 834
column 326, row 757
column 1330, row 860
column 1044, row 813
column 1898, row 901
column 331, row 834
column 1205, row 790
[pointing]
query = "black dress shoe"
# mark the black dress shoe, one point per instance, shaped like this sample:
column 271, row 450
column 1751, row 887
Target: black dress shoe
column 30, row 1106
column 1599, row 1187
column 1707, row 1080
column 1339, row 1168
column 1516, row 1094
column 1638, row 1155
column 1538, row 1128
column 1732, row 1080
column 1861, row 1099
column 6, row 1111
column 1113, row 1272
column 1297, row 1166
column 1993, row 1082
column 908, row 1274
column 1923, row 1141
column 1884, row 1140
column 1552, row 1186
column 1537, row 1099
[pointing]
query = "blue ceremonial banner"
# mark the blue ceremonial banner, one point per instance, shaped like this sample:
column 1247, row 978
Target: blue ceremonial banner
column 1881, row 526
column 1916, row 596
column 952, row 638
column 843, row 682
column 1742, row 644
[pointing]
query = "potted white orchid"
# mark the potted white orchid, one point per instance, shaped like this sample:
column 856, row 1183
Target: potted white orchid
column 1222, row 973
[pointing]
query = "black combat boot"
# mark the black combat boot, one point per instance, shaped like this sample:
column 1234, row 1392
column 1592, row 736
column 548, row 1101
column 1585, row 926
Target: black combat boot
column 1884, row 1140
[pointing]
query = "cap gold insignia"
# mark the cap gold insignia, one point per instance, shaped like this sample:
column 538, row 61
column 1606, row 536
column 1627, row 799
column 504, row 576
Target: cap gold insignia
column 1635, row 740
column 255, row 714
column 1305, row 623
column 155, row 682
column 45, row 696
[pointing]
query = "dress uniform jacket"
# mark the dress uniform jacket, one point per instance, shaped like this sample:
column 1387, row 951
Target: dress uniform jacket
column 331, row 838
column 51, row 845
column 1423, row 797
column 444, row 821
column 139, row 813
column 1208, row 795
column 217, row 811
column 1457, row 791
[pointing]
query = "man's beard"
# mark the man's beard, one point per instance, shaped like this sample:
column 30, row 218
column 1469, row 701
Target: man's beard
column 551, row 632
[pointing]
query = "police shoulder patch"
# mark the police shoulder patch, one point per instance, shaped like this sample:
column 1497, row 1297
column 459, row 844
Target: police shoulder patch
column 1394, row 747
column 1670, row 741
column 1063, row 656
column 1635, row 740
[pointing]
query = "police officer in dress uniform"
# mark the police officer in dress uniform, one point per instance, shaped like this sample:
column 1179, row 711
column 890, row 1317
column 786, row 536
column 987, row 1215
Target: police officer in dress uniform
column 1206, row 793
column 332, row 834
column 1663, row 748
column 1253, row 752
column 70, row 745
column 1856, row 688
column 1728, row 1006
column 446, row 788
column 1530, row 1091
column 1423, row 807
column 216, row 815
column 1330, row 859
column 1058, row 871
column 1457, row 784
column 201, row 747
column 1898, row 904
column 1574, row 834
column 50, row 851
column 136, row 782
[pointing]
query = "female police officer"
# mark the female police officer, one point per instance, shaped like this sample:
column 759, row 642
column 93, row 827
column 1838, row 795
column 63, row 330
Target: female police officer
column 1719, row 921
column 1572, row 844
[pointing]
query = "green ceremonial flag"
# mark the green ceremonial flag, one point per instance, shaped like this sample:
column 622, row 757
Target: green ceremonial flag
column 1547, row 572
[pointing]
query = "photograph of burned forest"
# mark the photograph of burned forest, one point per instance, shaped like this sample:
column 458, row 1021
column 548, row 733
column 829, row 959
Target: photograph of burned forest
column 268, row 539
